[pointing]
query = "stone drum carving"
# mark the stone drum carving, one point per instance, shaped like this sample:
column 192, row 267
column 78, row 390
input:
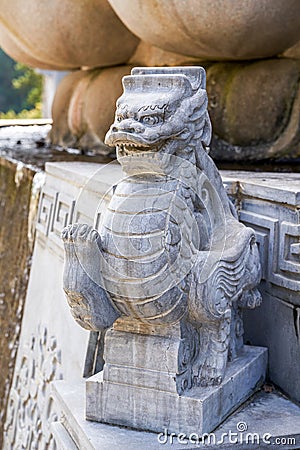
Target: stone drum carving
column 170, row 267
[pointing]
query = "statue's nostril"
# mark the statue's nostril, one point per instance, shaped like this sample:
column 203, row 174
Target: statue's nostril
column 114, row 129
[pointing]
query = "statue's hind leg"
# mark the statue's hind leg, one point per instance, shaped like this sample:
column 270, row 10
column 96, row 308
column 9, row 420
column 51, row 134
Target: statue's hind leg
column 214, row 339
column 89, row 302
column 203, row 353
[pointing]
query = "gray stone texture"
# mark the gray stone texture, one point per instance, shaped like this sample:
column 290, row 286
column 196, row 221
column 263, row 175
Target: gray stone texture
column 271, row 420
column 279, row 331
column 270, row 204
column 138, row 386
column 170, row 254
column 42, row 351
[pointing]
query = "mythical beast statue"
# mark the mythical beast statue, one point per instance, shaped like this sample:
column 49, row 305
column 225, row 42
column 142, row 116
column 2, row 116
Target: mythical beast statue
column 169, row 248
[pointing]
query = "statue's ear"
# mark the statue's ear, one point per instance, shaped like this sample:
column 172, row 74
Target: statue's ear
column 198, row 115
column 197, row 105
column 202, row 77
column 207, row 131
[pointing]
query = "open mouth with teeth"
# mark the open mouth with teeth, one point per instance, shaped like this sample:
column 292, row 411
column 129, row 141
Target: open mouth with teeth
column 128, row 148
column 129, row 144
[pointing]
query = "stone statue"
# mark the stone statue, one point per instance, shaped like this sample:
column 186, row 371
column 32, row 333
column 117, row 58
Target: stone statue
column 170, row 250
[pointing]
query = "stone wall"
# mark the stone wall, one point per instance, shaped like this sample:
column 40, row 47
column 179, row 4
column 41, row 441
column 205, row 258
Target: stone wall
column 17, row 206
column 22, row 162
column 270, row 203
column 51, row 345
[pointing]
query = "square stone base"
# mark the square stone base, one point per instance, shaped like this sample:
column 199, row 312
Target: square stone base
column 137, row 387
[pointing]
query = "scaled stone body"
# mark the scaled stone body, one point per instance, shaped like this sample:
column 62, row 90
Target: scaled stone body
column 170, row 250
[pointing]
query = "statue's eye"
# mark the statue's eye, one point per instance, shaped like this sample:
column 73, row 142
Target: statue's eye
column 119, row 118
column 150, row 120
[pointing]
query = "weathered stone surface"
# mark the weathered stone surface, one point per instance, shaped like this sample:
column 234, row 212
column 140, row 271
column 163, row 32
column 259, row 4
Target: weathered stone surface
column 92, row 435
column 83, row 108
column 45, row 352
column 60, row 133
column 284, row 348
column 269, row 203
column 246, row 126
column 30, row 408
column 21, row 179
column 214, row 30
column 141, row 370
column 160, row 257
column 28, row 144
column 64, row 35
column 170, row 257
column 268, row 420
column 17, row 208
column 254, row 109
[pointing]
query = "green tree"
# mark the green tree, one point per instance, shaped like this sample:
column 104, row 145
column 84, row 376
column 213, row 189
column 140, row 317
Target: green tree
column 20, row 87
column 9, row 97
column 29, row 84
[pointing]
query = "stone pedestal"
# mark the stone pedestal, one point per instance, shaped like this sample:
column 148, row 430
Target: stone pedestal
column 271, row 421
column 138, row 385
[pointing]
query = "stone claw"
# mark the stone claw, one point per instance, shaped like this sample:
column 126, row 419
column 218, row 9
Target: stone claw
column 79, row 233
column 210, row 376
column 83, row 284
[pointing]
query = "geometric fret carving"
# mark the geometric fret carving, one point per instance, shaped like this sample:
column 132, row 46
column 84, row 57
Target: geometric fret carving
column 45, row 212
column 287, row 273
column 62, row 214
column 279, row 247
column 55, row 212
column 289, row 260
column 266, row 230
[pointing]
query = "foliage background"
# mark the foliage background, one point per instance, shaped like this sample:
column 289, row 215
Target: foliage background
column 20, row 90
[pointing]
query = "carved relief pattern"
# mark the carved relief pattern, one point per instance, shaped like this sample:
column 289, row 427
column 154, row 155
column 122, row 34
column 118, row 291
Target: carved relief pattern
column 279, row 247
column 30, row 408
column 56, row 211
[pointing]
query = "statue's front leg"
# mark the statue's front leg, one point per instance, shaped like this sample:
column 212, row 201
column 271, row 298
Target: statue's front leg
column 89, row 302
